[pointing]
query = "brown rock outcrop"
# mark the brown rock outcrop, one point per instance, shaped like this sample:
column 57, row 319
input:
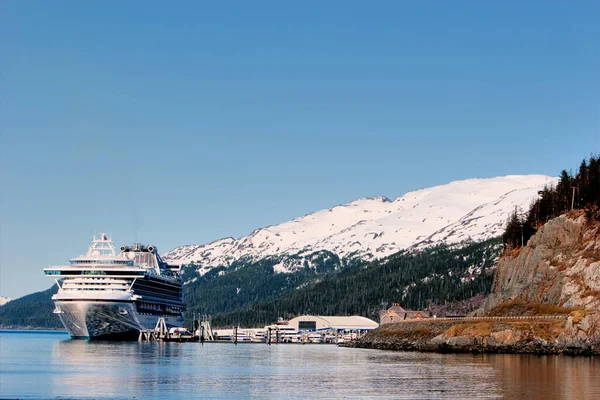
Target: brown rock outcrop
column 557, row 275
column 578, row 333
column 560, row 265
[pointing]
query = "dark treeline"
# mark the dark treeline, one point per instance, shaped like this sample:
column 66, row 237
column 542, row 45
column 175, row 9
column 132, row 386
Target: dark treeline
column 579, row 191
column 433, row 276
column 244, row 283
column 33, row 310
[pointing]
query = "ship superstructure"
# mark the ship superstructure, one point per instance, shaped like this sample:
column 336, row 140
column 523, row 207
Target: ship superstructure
column 108, row 295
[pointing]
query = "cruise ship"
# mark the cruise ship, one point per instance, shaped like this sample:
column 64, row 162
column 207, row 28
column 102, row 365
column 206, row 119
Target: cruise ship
column 105, row 295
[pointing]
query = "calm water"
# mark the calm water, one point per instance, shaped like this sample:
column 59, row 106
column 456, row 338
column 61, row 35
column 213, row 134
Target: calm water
column 45, row 364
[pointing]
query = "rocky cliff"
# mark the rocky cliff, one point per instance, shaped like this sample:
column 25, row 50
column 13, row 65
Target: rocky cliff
column 545, row 299
column 560, row 265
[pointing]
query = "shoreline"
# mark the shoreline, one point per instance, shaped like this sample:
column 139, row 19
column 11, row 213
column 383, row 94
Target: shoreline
column 30, row 328
column 570, row 336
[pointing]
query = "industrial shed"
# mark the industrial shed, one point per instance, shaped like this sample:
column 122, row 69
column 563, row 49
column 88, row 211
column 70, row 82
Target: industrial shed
column 332, row 323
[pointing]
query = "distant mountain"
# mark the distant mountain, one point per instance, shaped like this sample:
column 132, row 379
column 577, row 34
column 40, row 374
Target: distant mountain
column 31, row 311
column 373, row 228
column 4, row 300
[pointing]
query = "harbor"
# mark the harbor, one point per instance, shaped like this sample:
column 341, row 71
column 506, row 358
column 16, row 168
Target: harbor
column 300, row 330
column 107, row 294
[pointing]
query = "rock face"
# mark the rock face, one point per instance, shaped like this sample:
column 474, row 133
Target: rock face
column 558, row 272
column 581, row 332
column 560, row 265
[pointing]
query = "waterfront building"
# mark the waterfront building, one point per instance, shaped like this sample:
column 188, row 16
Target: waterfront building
column 396, row 314
column 354, row 323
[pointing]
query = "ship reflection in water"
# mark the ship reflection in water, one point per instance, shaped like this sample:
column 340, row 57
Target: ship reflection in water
column 42, row 365
column 295, row 371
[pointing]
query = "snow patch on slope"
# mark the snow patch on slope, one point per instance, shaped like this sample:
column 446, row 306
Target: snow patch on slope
column 375, row 227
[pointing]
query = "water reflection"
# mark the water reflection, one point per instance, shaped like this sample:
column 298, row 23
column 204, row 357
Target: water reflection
column 115, row 369
column 50, row 366
column 547, row 377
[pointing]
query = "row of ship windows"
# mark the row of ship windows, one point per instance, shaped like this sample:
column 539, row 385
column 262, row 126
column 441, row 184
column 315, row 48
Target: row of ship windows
column 102, row 289
column 153, row 286
column 173, row 296
column 145, row 285
column 100, row 272
column 153, row 291
column 160, row 308
column 124, row 262
column 166, row 313
column 96, row 284
column 99, row 279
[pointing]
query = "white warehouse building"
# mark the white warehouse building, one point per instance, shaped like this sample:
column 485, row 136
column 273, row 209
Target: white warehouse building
column 331, row 323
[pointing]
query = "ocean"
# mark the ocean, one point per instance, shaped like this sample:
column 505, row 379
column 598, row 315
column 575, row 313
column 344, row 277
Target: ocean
column 43, row 364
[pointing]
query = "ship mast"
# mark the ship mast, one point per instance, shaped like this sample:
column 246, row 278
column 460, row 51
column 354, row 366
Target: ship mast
column 101, row 245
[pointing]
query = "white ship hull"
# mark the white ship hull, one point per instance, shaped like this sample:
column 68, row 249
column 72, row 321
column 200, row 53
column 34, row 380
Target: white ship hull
column 104, row 295
column 107, row 320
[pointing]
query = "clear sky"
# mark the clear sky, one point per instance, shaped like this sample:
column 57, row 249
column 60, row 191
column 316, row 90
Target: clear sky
column 186, row 123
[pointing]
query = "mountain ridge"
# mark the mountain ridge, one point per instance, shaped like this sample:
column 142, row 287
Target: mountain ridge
column 374, row 227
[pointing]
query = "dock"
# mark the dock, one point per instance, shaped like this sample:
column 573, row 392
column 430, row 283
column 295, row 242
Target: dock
column 161, row 333
column 205, row 334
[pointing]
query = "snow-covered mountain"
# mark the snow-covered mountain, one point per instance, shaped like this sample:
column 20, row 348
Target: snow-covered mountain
column 473, row 209
column 4, row 300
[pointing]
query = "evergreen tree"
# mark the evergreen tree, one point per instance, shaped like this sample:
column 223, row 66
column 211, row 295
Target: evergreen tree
column 555, row 201
column 563, row 193
column 582, row 182
column 593, row 186
column 513, row 232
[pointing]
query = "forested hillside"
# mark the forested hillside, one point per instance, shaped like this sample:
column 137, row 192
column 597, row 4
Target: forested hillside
column 434, row 276
column 31, row 311
column 243, row 284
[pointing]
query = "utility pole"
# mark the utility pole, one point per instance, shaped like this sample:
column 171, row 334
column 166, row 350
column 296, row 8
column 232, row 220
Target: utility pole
column 573, row 198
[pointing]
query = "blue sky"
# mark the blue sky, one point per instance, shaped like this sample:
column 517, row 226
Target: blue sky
column 184, row 124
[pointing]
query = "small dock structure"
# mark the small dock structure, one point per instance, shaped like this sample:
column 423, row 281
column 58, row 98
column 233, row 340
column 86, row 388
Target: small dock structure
column 161, row 333
column 305, row 329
